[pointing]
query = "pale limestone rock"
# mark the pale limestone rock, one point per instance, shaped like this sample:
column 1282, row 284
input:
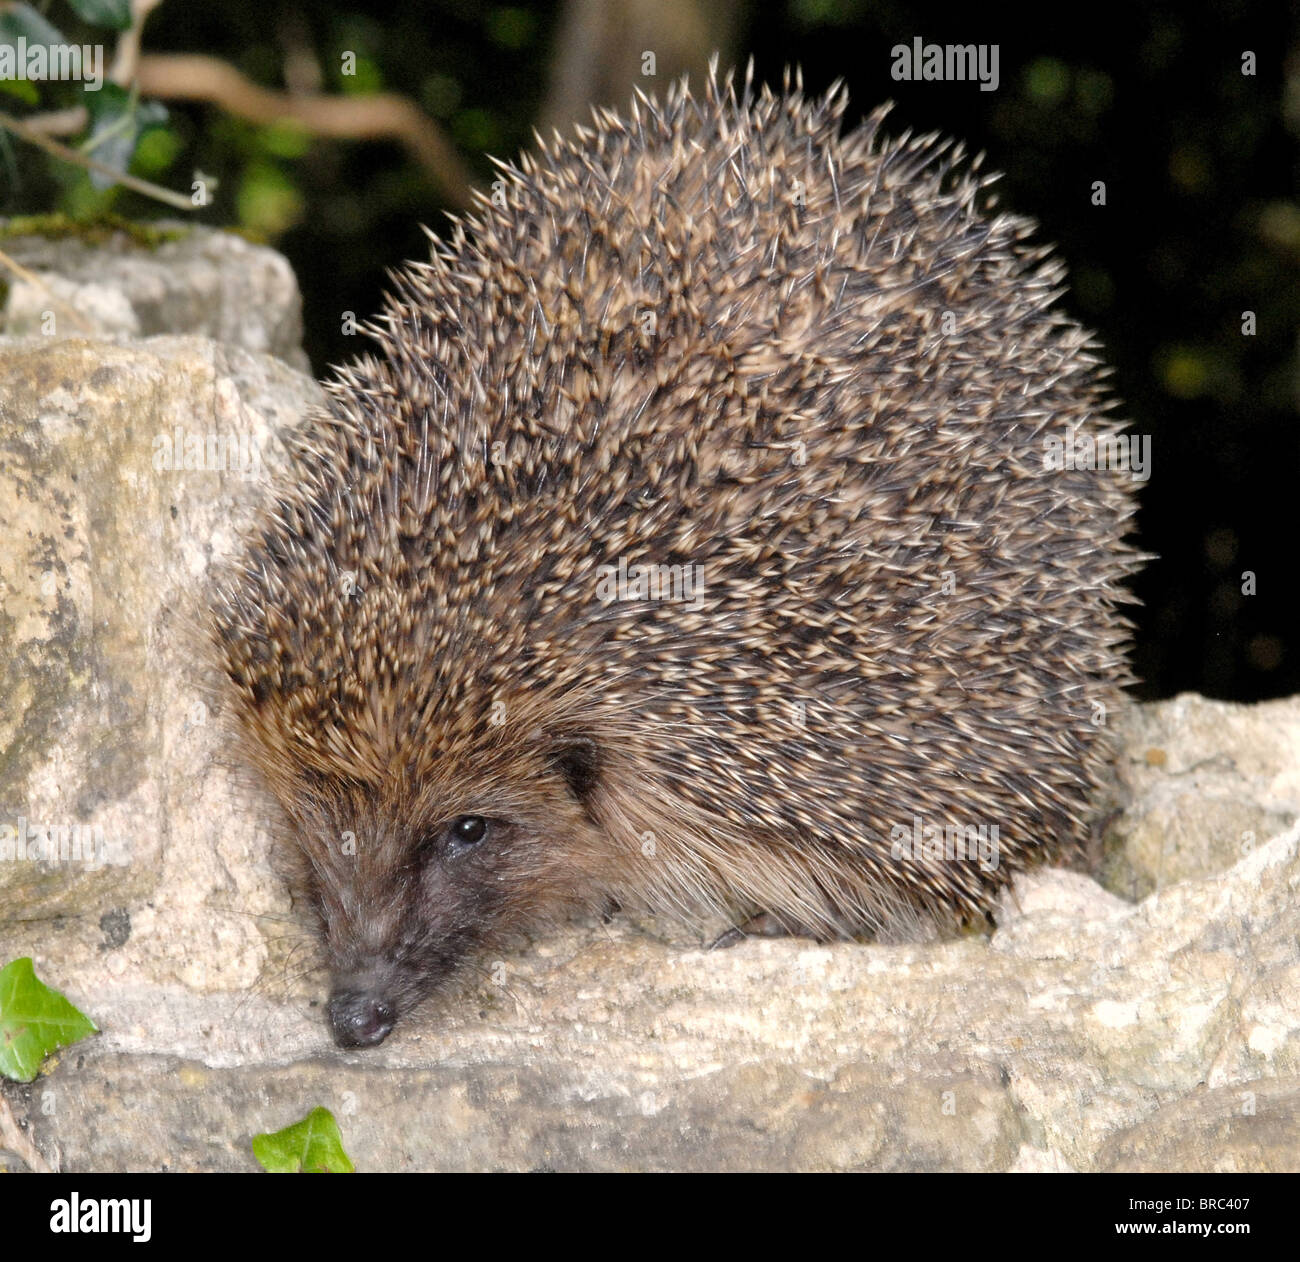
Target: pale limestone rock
column 193, row 279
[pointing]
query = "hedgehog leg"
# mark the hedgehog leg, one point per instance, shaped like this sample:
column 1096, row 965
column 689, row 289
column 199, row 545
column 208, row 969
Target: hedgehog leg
column 729, row 939
column 764, row 925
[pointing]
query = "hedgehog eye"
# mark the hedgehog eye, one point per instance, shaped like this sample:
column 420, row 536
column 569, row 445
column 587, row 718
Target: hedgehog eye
column 465, row 832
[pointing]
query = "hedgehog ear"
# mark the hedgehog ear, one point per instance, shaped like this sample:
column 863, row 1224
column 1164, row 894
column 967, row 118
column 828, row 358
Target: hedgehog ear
column 577, row 761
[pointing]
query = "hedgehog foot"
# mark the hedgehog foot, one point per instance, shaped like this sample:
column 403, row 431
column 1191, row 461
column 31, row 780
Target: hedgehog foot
column 763, row 925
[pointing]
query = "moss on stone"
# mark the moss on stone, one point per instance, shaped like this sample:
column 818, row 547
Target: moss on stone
column 95, row 231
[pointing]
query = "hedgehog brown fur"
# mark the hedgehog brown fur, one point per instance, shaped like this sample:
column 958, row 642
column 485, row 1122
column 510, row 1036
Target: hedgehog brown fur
column 714, row 333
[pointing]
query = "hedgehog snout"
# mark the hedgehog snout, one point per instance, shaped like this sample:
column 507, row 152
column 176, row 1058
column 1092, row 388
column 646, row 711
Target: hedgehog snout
column 370, row 990
column 360, row 1018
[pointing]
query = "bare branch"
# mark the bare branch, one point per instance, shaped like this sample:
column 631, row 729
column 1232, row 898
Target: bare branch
column 193, row 77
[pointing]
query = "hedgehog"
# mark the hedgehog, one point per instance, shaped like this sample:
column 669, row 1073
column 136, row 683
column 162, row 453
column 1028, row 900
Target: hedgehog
column 688, row 541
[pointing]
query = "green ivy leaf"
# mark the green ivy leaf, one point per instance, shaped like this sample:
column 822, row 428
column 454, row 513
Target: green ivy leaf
column 23, row 89
column 313, row 1146
column 34, row 1021
column 112, row 13
column 117, row 121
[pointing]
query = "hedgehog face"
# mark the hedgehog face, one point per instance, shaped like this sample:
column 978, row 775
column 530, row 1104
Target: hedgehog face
column 432, row 882
column 387, row 955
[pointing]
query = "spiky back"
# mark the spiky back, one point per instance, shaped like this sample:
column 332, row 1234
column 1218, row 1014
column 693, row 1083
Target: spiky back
column 715, row 333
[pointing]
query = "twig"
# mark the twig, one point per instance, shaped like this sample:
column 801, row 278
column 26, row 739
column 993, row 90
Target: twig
column 31, row 278
column 193, row 77
column 14, row 1138
column 133, row 182
column 126, row 57
column 60, row 122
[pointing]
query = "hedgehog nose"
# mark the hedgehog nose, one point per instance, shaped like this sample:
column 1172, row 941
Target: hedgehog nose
column 359, row 1019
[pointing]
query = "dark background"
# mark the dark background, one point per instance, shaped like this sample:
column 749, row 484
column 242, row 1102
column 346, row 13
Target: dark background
column 1201, row 222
